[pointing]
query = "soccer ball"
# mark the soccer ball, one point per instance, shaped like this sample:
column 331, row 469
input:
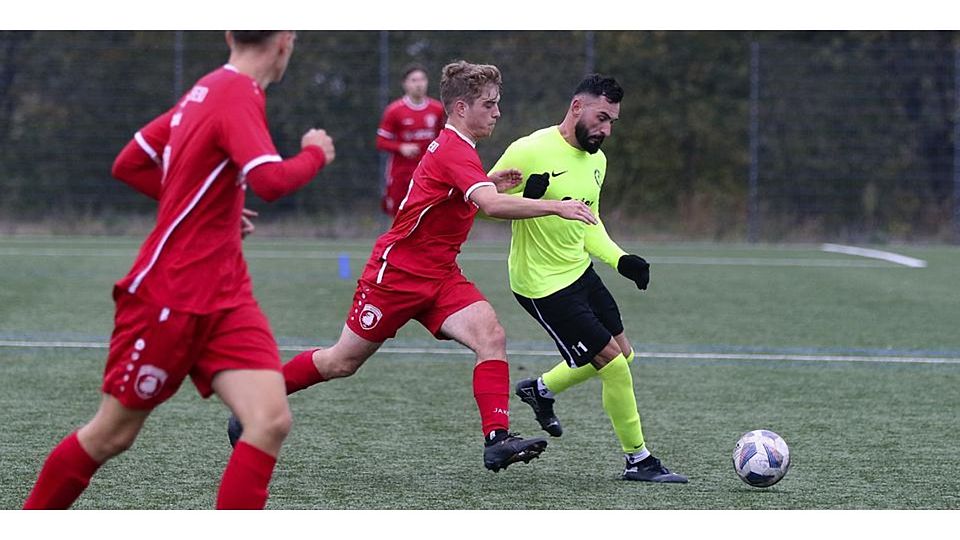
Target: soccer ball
column 761, row 458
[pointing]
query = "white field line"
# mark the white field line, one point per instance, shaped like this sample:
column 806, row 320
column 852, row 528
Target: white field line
column 895, row 258
column 29, row 344
column 333, row 254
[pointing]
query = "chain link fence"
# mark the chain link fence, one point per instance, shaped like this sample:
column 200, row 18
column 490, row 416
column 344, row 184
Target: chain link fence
column 853, row 142
column 723, row 135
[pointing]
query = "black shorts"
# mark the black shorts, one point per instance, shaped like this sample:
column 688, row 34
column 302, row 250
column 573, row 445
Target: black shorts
column 581, row 318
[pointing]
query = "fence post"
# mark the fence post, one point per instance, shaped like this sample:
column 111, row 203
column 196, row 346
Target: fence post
column 383, row 98
column 956, row 146
column 589, row 51
column 177, row 64
column 753, row 205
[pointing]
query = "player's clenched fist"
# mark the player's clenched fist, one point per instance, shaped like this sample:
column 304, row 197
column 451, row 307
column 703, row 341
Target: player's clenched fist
column 319, row 137
column 571, row 209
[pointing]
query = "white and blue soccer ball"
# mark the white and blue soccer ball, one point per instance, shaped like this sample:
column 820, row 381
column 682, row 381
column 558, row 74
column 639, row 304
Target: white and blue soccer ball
column 761, row 458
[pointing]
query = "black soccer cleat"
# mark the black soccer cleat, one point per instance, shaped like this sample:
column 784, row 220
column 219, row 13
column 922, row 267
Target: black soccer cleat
column 542, row 407
column 234, row 430
column 507, row 448
column 651, row 470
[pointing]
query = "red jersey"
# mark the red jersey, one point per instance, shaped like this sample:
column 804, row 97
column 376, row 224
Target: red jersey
column 404, row 122
column 435, row 217
column 206, row 144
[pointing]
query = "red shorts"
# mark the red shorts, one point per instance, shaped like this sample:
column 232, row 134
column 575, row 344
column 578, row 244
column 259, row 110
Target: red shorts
column 154, row 348
column 380, row 309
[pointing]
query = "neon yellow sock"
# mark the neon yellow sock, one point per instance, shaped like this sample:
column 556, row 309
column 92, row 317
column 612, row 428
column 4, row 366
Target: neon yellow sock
column 562, row 376
column 620, row 404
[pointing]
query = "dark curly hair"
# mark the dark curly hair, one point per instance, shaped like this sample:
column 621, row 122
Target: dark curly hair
column 252, row 37
column 598, row 85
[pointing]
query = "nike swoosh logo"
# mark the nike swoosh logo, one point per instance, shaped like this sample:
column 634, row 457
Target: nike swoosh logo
column 556, row 174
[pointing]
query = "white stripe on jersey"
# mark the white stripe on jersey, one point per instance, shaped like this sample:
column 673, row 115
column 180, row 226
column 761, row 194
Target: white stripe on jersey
column 256, row 162
column 407, row 196
column 415, row 225
column 382, row 268
column 196, row 199
column 385, row 134
column 466, row 194
column 146, row 147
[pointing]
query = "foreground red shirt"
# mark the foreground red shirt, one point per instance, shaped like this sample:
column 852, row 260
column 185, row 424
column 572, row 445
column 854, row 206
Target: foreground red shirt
column 206, row 144
column 436, row 214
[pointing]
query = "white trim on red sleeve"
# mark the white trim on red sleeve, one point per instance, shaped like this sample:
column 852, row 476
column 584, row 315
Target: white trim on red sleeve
column 145, row 146
column 385, row 134
column 466, row 194
column 256, row 162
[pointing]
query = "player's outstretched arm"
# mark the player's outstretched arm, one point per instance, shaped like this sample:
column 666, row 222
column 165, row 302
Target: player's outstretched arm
column 599, row 244
column 498, row 205
column 270, row 181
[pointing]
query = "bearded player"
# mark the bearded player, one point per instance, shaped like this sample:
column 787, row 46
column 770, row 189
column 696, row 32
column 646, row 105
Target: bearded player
column 552, row 276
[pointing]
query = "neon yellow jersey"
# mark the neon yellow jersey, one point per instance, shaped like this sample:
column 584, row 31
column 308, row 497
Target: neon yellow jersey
column 549, row 253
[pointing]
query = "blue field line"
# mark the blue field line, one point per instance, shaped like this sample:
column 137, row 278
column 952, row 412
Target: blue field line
column 35, row 340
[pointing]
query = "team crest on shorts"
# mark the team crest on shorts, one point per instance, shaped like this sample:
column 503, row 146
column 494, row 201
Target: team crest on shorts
column 149, row 381
column 370, row 315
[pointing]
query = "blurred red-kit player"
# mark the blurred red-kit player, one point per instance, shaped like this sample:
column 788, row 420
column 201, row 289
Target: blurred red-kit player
column 406, row 129
column 186, row 308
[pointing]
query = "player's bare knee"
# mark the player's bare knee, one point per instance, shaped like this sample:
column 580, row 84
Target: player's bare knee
column 493, row 342
column 281, row 424
column 608, row 353
column 273, row 425
column 105, row 445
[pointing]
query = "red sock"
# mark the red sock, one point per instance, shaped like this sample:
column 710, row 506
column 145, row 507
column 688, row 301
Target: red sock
column 245, row 480
column 64, row 476
column 300, row 372
column 491, row 388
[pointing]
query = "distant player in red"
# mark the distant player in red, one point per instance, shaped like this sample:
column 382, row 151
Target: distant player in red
column 187, row 306
column 407, row 127
column 412, row 273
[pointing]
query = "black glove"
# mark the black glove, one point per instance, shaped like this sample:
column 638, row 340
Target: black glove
column 635, row 268
column 536, row 185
